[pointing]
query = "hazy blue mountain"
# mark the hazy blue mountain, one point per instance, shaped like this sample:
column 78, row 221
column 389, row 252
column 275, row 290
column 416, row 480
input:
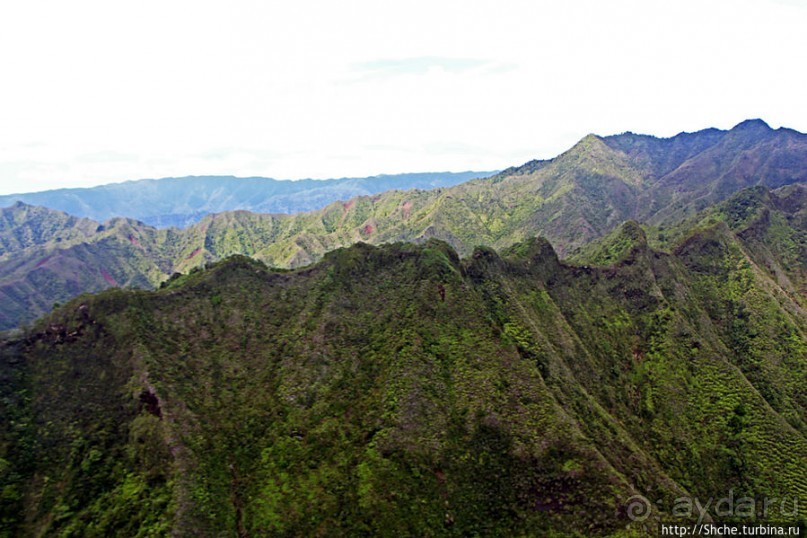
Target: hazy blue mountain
column 184, row 201
column 571, row 200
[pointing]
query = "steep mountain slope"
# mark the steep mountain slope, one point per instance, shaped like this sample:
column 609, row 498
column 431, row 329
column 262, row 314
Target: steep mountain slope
column 84, row 257
column 401, row 391
column 772, row 225
column 750, row 154
column 184, row 201
column 572, row 200
column 23, row 226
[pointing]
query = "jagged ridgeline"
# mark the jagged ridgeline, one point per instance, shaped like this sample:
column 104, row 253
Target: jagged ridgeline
column 401, row 391
column 572, row 200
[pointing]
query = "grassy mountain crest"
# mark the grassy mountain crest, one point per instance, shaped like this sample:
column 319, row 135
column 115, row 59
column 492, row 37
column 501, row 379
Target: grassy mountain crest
column 402, row 390
column 572, row 200
column 23, row 226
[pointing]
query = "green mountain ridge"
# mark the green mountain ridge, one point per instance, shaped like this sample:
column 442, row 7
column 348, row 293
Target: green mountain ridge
column 571, row 200
column 25, row 226
column 400, row 390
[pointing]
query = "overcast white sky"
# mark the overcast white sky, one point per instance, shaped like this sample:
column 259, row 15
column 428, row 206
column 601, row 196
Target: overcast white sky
column 95, row 91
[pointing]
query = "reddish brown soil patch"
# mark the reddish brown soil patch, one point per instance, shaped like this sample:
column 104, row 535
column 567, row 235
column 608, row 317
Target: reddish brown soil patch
column 43, row 261
column 108, row 278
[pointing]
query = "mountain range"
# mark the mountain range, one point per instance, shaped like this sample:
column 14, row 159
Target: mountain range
column 48, row 257
column 181, row 202
column 571, row 347
column 399, row 390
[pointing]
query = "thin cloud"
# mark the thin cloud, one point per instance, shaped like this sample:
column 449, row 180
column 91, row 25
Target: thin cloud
column 107, row 157
column 390, row 67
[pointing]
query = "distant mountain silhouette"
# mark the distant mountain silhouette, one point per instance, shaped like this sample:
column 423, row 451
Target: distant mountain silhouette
column 184, row 201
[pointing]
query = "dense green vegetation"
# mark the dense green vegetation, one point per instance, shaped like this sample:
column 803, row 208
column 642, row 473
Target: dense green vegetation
column 428, row 387
column 401, row 391
column 572, row 200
